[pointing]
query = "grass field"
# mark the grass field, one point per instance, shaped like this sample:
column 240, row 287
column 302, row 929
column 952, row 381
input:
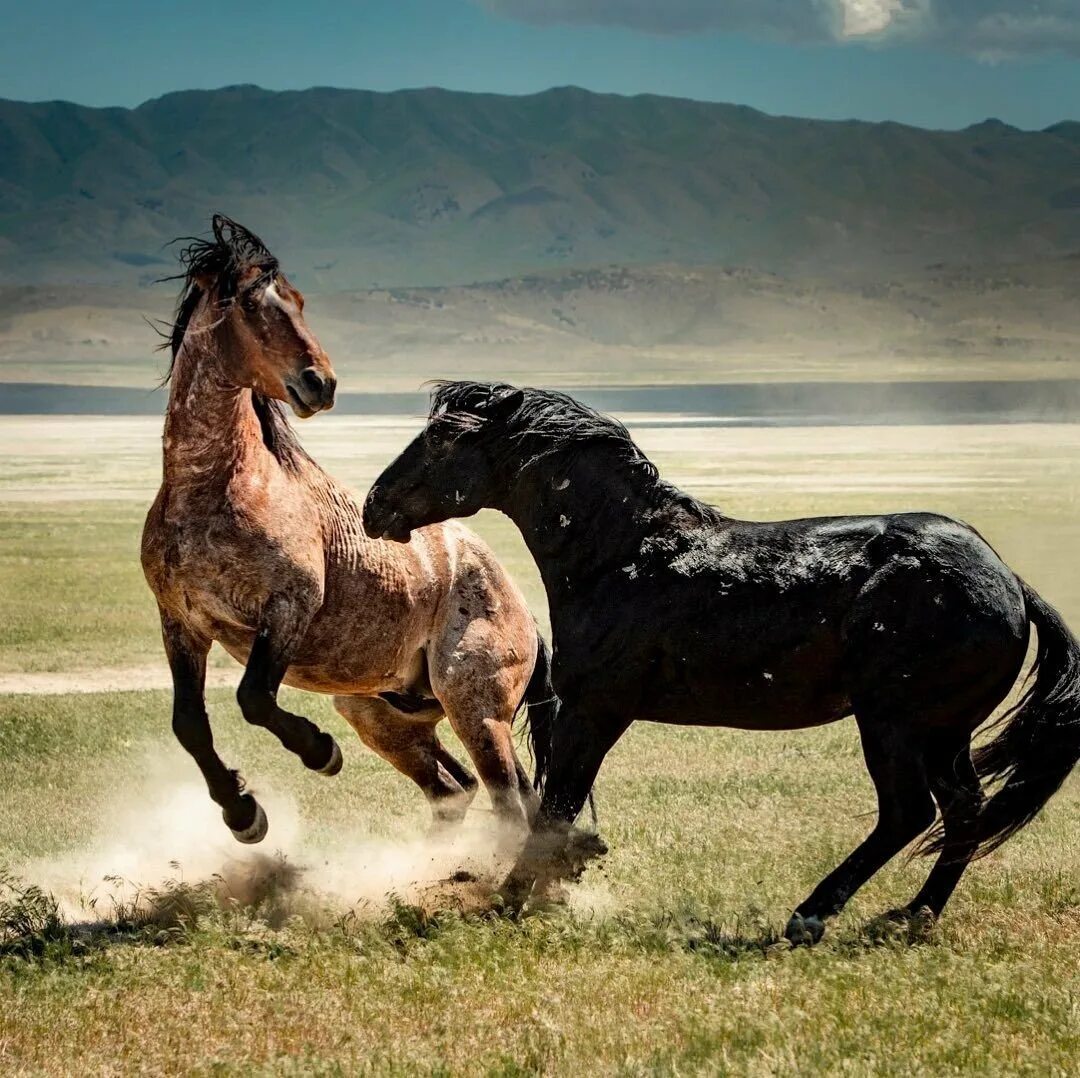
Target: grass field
column 665, row 959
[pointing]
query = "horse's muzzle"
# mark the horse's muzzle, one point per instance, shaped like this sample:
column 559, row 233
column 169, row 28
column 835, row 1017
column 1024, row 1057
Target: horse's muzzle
column 311, row 391
column 382, row 523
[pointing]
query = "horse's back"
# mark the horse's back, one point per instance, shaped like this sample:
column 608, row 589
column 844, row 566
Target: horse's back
column 775, row 617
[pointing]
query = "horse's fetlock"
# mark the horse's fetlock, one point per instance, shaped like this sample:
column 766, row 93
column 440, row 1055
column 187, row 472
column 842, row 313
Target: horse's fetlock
column 329, row 759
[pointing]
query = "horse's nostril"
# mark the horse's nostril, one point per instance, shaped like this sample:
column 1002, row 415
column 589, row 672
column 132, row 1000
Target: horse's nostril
column 312, row 379
column 321, row 386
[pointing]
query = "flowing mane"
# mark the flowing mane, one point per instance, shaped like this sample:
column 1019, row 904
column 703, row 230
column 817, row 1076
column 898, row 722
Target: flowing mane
column 233, row 251
column 549, row 422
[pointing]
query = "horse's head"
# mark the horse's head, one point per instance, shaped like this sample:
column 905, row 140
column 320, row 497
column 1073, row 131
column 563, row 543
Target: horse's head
column 258, row 318
column 450, row 469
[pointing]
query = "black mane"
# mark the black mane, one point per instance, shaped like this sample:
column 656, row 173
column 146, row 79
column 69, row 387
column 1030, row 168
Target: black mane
column 232, row 252
column 554, row 419
column 549, row 422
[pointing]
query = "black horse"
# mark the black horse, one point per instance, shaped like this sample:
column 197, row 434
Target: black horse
column 664, row 609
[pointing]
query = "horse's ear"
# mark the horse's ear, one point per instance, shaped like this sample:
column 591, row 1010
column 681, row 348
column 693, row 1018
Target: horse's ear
column 505, row 406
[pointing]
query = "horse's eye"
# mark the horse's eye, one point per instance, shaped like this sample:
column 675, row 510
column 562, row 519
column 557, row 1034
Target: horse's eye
column 249, row 301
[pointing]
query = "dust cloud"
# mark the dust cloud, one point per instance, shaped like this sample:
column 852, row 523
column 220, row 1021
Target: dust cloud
column 157, row 838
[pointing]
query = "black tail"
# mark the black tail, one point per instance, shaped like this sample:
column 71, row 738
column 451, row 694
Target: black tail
column 543, row 707
column 1038, row 742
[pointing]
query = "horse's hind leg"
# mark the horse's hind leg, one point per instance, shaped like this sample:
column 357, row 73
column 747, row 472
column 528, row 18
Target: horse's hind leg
column 530, row 798
column 455, row 768
column 489, row 741
column 894, row 758
column 479, row 692
column 412, row 746
column 959, row 794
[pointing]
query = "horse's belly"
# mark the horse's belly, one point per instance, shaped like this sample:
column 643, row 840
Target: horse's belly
column 787, row 692
column 751, row 711
column 346, row 675
column 338, row 682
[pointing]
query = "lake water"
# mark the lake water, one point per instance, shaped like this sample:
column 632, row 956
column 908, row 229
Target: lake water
column 736, row 404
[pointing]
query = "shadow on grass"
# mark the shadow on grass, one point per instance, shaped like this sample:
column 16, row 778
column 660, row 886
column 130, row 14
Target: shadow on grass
column 33, row 927
column 701, row 935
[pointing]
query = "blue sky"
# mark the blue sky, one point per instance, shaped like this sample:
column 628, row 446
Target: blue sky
column 937, row 63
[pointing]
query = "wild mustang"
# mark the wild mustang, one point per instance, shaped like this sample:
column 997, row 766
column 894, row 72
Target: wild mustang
column 665, row 609
column 250, row 543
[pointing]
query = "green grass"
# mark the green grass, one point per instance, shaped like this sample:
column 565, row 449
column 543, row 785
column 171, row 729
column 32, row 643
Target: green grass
column 74, row 593
column 670, row 967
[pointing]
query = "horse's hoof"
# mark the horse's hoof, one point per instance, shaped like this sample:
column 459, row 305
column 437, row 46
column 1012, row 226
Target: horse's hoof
column 256, row 832
column 804, row 931
column 921, row 924
column 513, row 895
column 333, row 765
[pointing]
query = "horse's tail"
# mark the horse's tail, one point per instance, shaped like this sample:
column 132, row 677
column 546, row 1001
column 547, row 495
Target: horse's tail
column 543, row 709
column 1038, row 740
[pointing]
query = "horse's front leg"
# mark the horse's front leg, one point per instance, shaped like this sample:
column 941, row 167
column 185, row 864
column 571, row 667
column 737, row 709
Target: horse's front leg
column 187, row 660
column 554, row 850
column 281, row 632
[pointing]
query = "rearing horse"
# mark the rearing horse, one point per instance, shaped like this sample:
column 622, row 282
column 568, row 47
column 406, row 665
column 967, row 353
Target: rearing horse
column 665, row 609
column 250, row 543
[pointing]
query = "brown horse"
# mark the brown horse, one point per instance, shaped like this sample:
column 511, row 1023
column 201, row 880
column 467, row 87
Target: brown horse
column 250, row 543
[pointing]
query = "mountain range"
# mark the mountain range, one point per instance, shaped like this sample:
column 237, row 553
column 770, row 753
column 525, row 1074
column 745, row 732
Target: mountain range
column 363, row 190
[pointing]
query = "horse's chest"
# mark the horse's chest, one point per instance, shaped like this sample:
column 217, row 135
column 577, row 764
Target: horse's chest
column 218, row 576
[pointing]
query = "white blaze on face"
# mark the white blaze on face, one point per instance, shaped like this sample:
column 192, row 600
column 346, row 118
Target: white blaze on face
column 272, row 296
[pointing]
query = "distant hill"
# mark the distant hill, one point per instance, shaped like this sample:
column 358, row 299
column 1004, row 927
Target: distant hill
column 361, row 190
column 604, row 326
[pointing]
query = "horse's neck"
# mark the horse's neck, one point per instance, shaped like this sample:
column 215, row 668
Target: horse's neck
column 211, row 429
column 579, row 518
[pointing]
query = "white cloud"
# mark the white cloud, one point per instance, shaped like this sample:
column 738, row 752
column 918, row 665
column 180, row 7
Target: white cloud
column 989, row 28
column 862, row 18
